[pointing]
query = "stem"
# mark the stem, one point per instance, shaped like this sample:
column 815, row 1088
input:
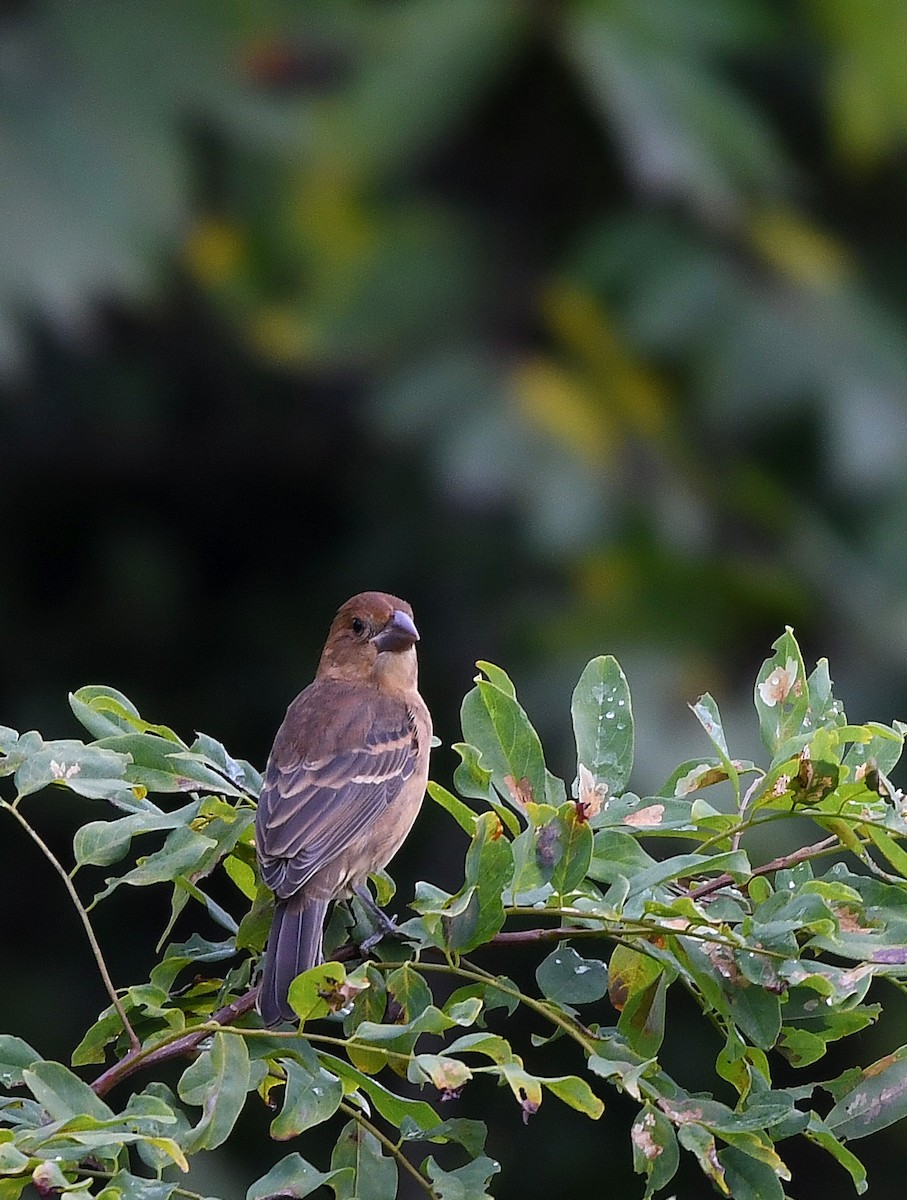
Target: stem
column 83, row 915
column 776, row 864
column 390, row 1146
column 476, row 975
column 173, row 1047
column 619, row 931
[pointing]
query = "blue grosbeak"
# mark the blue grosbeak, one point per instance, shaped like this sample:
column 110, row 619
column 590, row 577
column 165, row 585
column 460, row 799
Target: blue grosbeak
column 344, row 782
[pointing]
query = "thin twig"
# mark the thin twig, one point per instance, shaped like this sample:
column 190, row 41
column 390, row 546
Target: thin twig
column 83, row 914
column 391, row 1148
column 777, row 864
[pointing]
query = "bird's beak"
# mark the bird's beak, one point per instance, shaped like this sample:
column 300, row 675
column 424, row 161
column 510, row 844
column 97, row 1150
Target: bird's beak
column 398, row 634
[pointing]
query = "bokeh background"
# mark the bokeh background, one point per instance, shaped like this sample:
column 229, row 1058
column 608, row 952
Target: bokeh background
column 580, row 324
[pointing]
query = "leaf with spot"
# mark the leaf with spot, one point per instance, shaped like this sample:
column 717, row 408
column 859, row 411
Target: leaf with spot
column 782, row 693
column 553, row 854
column 92, row 771
column 493, row 722
column 637, row 986
column 876, row 1100
column 706, row 712
column 655, row 1151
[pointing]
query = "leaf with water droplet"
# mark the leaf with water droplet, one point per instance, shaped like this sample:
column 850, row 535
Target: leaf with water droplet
column 603, row 723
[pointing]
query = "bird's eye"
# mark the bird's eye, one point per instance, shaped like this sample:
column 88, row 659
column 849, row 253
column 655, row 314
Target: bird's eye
column 357, row 626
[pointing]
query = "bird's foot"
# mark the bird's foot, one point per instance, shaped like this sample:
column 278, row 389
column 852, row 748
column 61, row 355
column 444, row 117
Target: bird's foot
column 385, row 926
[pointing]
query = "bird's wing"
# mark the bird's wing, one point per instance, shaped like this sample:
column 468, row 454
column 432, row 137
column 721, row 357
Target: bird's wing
column 341, row 757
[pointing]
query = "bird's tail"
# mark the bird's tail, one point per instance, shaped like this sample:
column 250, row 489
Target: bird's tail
column 294, row 945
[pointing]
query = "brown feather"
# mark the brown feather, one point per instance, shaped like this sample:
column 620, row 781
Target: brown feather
column 344, row 781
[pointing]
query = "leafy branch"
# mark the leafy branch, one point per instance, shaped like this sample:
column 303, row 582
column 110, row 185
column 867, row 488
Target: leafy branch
column 778, row 958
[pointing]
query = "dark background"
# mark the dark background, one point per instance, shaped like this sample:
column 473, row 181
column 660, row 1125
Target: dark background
column 580, row 325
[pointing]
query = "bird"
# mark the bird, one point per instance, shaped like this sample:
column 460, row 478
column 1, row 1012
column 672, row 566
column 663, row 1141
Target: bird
column 343, row 785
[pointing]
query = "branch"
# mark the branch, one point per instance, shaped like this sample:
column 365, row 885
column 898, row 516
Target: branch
column 83, row 914
column 776, row 864
column 138, row 1058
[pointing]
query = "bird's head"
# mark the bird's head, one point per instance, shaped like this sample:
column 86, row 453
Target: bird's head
column 372, row 639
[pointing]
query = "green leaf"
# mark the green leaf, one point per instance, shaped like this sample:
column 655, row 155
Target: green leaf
column 293, row 1176
column 90, row 771
column 471, row 778
column 392, row 1107
column 488, row 870
column 125, row 1186
column 373, row 1176
column 877, row 1100
column 499, row 678
column 308, row 992
column 237, row 770
column 895, row 855
column 311, row 1096
column 469, row 1134
column 217, row 1082
column 15, row 1057
column 553, row 853
column 781, row 693
column 12, row 1161
column 461, row 813
column 748, row 1178
column 62, row 1093
column 819, row 1132
column 489, row 1044
column 181, row 854
column 104, row 711
column 655, row 1151
column 160, row 765
column 497, row 726
column 566, row 978
column 100, row 843
column 603, row 725
column 463, row 1183
column 575, row 1092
